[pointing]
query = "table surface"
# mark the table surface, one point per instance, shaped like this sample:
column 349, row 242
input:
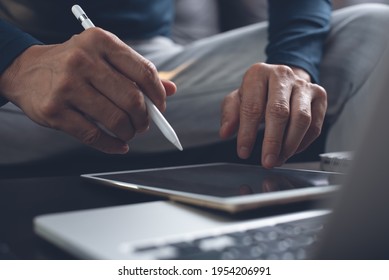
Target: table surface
column 23, row 199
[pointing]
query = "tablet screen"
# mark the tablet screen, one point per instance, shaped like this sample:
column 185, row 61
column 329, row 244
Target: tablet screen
column 226, row 180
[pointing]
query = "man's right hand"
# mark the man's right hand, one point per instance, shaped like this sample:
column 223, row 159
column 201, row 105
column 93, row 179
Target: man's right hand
column 94, row 78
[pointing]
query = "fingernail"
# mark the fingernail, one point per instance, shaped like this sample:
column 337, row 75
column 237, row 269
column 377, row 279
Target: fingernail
column 271, row 160
column 244, row 152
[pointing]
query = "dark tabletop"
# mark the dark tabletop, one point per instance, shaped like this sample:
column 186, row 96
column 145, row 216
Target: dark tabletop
column 23, row 199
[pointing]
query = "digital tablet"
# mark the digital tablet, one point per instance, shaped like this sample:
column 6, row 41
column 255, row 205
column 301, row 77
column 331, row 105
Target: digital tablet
column 225, row 186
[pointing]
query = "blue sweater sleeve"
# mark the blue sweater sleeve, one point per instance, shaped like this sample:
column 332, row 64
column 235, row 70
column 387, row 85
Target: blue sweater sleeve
column 297, row 30
column 12, row 43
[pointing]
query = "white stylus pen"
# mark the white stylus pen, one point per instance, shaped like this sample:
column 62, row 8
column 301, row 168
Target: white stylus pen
column 153, row 111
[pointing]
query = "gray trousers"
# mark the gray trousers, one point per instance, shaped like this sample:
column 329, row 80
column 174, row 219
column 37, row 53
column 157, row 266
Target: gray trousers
column 356, row 54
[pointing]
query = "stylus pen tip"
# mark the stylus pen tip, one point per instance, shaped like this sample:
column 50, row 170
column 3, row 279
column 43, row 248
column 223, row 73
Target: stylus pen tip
column 178, row 145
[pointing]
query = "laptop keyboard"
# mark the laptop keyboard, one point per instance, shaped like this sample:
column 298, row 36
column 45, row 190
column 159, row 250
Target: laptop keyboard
column 292, row 240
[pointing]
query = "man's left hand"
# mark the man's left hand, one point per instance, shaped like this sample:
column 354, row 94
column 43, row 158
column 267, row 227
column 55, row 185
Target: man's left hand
column 292, row 108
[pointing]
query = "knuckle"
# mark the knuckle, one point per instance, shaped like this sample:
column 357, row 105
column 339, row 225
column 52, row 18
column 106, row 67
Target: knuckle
column 320, row 92
column 133, row 99
column 65, row 84
column 136, row 100
column 76, row 58
column 255, row 69
column 300, row 83
column 98, row 35
column 283, row 86
column 279, row 110
column 50, row 109
column 91, row 136
column 272, row 142
column 251, row 110
column 284, row 71
column 149, row 70
column 303, row 119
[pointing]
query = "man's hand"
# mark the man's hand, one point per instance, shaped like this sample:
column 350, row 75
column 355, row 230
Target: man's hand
column 92, row 80
column 292, row 108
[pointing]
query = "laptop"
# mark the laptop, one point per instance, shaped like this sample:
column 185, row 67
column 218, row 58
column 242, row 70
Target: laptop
column 353, row 226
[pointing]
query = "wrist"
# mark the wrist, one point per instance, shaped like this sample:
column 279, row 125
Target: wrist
column 9, row 78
